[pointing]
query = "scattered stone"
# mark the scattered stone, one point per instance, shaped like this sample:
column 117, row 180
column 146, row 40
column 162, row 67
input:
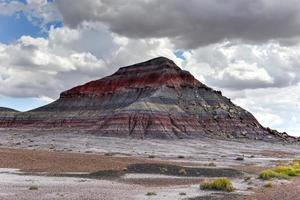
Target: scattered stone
column 33, row 187
column 182, row 171
column 150, row 194
column 212, row 164
column 240, row 158
column 247, row 178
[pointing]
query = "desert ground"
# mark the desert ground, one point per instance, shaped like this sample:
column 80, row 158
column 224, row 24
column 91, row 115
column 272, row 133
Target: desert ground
column 71, row 166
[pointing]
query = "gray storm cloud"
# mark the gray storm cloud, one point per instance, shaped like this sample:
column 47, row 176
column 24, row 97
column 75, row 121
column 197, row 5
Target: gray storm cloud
column 192, row 23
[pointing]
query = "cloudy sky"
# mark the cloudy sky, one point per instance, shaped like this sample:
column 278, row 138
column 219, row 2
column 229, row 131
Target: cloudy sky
column 248, row 49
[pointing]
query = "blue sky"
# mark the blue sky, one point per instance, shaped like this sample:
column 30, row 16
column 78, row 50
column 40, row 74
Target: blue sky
column 12, row 28
column 21, row 104
column 47, row 47
column 17, row 25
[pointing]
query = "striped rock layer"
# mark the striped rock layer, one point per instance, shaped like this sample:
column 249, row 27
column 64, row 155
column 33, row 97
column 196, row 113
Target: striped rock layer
column 153, row 99
column 6, row 114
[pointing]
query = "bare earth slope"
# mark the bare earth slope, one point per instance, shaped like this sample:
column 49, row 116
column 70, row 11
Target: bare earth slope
column 153, row 99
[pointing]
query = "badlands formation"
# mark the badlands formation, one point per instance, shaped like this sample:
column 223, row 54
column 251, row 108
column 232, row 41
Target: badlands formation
column 153, row 99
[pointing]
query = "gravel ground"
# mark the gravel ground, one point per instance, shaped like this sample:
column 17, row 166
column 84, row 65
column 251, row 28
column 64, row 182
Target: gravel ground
column 57, row 162
column 288, row 191
column 14, row 186
column 73, row 153
column 199, row 151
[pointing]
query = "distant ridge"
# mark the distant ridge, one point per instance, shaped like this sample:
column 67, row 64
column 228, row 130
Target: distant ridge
column 4, row 109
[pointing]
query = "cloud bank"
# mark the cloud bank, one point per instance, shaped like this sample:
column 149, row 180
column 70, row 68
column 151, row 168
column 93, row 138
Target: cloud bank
column 191, row 24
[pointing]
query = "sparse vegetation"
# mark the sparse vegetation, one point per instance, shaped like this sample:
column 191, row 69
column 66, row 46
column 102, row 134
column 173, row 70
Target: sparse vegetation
column 222, row 184
column 269, row 174
column 150, row 194
column 282, row 171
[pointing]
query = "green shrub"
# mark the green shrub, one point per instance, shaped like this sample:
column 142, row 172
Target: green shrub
column 269, row 174
column 222, row 184
column 296, row 163
column 287, row 170
column 282, row 171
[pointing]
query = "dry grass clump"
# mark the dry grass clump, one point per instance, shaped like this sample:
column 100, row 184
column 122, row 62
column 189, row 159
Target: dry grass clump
column 221, row 184
column 282, row 171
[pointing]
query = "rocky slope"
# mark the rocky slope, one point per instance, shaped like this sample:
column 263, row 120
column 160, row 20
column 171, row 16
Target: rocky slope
column 153, row 99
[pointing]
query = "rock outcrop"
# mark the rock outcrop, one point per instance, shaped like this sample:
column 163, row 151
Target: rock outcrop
column 153, row 99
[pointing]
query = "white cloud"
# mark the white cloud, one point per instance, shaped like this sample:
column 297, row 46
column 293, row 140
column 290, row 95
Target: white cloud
column 268, row 119
column 242, row 71
column 46, row 67
column 278, row 108
column 243, row 66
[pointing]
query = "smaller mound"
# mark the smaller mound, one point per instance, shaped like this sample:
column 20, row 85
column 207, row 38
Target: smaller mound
column 7, row 114
column 4, row 109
